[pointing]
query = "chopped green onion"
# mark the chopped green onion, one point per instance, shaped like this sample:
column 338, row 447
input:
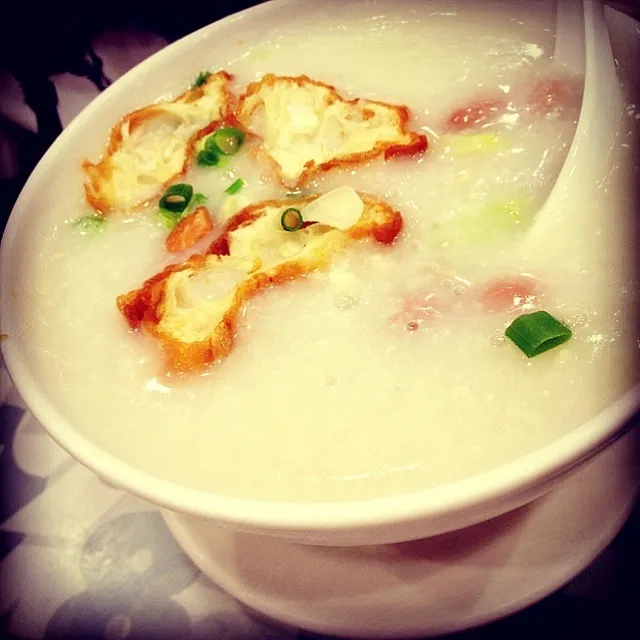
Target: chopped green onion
column 226, row 141
column 209, row 158
column 537, row 332
column 291, row 219
column 169, row 218
column 177, row 201
column 198, row 198
column 177, row 198
column 90, row 223
column 202, row 77
column 234, row 187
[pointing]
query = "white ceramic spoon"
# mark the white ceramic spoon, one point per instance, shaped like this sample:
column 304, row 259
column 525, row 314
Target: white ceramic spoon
column 569, row 51
column 589, row 156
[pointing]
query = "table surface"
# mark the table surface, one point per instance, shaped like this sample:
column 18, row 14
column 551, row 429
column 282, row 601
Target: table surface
column 80, row 559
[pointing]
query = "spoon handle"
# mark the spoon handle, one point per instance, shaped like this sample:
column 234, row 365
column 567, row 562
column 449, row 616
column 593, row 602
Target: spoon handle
column 569, row 51
column 589, row 159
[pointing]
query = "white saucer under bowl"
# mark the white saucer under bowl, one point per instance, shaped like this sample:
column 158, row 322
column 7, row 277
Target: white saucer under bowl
column 432, row 586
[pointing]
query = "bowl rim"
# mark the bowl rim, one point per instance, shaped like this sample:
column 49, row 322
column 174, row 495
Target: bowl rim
column 517, row 477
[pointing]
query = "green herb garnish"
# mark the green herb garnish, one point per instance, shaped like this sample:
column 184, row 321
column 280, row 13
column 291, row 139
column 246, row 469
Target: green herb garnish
column 198, row 198
column 537, row 332
column 177, row 198
column 176, row 202
column 226, row 141
column 234, row 187
column 223, row 142
column 170, row 218
column 201, row 78
column 210, row 158
column 291, row 219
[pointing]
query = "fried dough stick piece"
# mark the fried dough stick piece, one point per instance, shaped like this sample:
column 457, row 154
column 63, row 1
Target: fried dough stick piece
column 307, row 127
column 150, row 147
column 191, row 308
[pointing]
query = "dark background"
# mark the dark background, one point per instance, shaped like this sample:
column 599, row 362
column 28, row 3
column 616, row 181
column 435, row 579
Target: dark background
column 39, row 41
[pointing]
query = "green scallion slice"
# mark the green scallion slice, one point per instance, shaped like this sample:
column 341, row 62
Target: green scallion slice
column 177, row 201
column 201, row 78
column 209, row 158
column 537, row 332
column 169, row 218
column 234, row 187
column 291, row 219
column 198, row 198
column 226, row 141
column 176, row 198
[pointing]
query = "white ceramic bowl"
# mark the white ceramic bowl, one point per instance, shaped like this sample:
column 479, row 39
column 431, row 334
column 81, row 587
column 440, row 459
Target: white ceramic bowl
column 405, row 517
column 432, row 586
